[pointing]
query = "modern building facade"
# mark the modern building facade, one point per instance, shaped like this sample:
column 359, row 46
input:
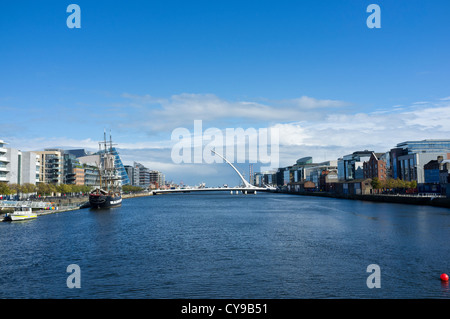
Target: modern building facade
column 444, row 177
column 314, row 173
column 21, row 167
column 14, row 166
column 436, row 174
column 157, row 178
column 141, row 175
column 408, row 158
column 51, row 170
column 130, row 172
column 265, row 178
column 79, row 174
column 30, row 167
column 302, row 171
column 71, row 163
column 120, row 168
column 425, row 146
column 91, row 176
column 90, row 165
column 352, row 166
column 3, row 162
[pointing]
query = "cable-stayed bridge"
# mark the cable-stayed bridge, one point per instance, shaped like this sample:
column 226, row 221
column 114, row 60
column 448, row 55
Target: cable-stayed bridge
column 231, row 190
column 247, row 188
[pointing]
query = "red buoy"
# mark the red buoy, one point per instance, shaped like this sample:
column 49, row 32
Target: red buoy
column 444, row 277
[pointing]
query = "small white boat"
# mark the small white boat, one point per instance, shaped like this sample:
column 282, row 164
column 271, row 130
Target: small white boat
column 20, row 213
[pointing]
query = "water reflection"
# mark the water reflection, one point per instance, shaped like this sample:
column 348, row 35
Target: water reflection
column 445, row 289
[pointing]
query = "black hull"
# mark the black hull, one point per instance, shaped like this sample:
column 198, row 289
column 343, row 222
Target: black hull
column 105, row 201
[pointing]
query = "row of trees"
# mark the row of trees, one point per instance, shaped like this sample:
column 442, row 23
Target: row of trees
column 391, row 183
column 131, row 189
column 42, row 189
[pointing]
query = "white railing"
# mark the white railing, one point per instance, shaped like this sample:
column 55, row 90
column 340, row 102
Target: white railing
column 414, row 195
column 13, row 203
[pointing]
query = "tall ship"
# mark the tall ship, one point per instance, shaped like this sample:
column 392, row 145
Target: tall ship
column 108, row 194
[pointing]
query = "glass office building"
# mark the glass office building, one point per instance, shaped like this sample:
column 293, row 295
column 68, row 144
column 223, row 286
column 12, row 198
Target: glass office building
column 425, row 146
column 408, row 158
column 120, row 168
column 351, row 166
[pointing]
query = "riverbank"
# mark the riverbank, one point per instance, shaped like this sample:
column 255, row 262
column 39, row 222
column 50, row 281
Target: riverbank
column 71, row 204
column 133, row 195
column 396, row 199
column 66, row 204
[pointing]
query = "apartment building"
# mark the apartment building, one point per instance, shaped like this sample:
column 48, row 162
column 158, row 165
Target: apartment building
column 376, row 166
column 3, row 162
column 51, row 170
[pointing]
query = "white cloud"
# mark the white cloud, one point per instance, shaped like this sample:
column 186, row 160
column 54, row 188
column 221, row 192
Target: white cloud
column 306, row 102
column 307, row 127
column 183, row 109
column 375, row 131
column 426, row 119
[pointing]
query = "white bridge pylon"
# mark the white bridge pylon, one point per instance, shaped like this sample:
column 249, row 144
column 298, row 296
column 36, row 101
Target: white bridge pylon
column 247, row 189
column 246, row 184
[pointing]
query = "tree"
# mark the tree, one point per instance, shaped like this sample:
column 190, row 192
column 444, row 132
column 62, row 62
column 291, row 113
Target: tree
column 376, row 183
column 44, row 189
column 16, row 188
column 64, row 188
column 5, row 189
column 86, row 189
column 28, row 188
column 130, row 188
column 399, row 183
column 388, row 183
column 51, row 189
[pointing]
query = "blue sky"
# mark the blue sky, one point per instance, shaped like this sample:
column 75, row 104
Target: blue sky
column 142, row 68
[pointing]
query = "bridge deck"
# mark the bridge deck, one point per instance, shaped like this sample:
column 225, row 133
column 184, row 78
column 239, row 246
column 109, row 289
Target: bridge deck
column 212, row 189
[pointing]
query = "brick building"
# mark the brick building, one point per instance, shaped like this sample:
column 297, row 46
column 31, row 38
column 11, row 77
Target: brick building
column 376, row 167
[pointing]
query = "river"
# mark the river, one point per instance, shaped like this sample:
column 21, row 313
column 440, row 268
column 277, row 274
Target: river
column 218, row 245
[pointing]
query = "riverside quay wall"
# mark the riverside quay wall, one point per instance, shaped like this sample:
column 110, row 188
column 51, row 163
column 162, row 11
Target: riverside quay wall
column 398, row 199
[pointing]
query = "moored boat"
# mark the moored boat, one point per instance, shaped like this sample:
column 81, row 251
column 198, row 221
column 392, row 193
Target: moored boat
column 100, row 198
column 20, row 213
column 108, row 194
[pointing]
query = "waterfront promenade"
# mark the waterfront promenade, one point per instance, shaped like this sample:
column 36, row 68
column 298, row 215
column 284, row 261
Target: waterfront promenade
column 430, row 200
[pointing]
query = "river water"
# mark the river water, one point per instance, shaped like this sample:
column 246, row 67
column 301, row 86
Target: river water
column 218, row 245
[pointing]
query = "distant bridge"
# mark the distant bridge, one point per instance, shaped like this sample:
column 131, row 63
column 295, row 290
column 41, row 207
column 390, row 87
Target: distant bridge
column 232, row 190
column 246, row 189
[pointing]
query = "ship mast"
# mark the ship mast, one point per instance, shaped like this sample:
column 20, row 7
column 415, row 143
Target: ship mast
column 111, row 165
column 107, row 161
